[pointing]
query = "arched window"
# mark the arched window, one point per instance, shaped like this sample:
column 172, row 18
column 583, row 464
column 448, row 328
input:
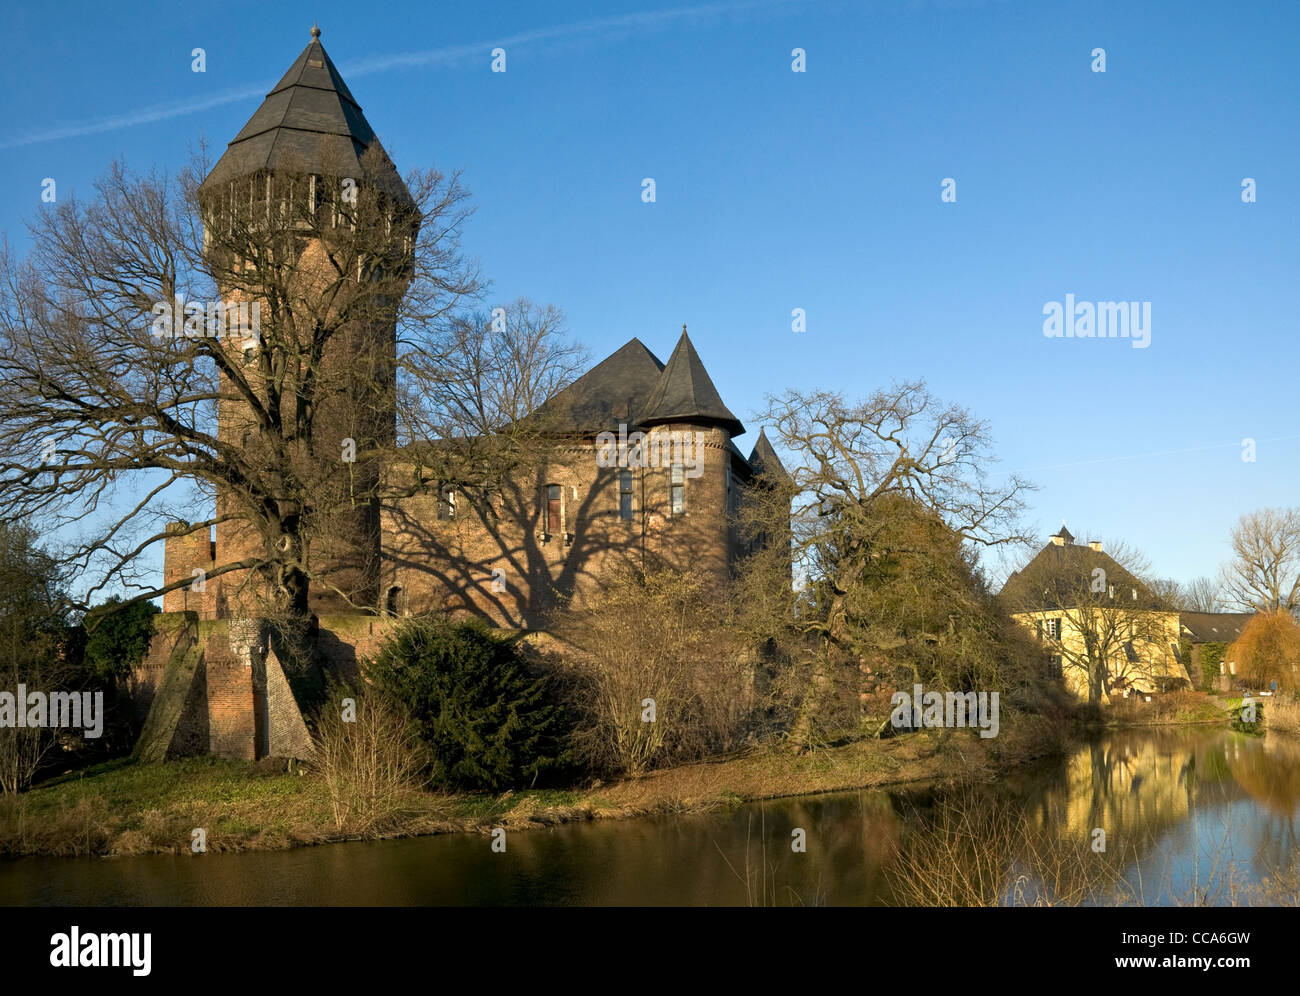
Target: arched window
column 394, row 599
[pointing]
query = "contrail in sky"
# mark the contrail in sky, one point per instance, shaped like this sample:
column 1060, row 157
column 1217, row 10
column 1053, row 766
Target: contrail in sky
column 1143, row 456
column 603, row 28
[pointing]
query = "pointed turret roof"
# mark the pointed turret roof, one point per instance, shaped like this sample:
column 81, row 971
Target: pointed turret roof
column 764, row 460
column 685, row 393
column 612, row 391
column 310, row 122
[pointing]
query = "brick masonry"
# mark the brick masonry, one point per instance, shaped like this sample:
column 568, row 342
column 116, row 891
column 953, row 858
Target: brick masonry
column 216, row 688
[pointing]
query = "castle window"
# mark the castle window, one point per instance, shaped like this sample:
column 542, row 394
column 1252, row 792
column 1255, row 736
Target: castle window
column 446, row 502
column 678, row 490
column 1053, row 629
column 554, row 509
column 625, row 494
column 394, row 598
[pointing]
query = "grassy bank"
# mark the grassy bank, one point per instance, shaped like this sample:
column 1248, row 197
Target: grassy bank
column 122, row 808
column 1176, row 709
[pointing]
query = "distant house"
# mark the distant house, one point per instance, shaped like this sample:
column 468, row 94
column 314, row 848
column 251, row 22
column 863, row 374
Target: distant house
column 1199, row 630
column 1103, row 631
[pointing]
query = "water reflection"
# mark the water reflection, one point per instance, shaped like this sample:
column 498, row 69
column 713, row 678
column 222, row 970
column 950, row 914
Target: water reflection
column 1174, row 805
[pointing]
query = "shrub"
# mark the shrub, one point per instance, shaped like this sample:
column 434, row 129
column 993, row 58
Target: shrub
column 487, row 721
column 369, row 755
column 1268, row 650
column 654, row 645
column 1248, row 717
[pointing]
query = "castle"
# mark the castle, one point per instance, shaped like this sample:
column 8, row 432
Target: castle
column 643, row 471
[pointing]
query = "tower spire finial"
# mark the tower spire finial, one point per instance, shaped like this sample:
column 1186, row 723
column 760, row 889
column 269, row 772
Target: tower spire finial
column 683, row 328
column 315, row 30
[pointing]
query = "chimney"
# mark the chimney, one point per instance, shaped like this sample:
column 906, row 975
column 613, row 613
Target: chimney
column 1094, row 546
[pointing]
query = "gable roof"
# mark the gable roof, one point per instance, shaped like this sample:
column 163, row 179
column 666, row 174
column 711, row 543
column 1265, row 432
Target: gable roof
column 1058, row 576
column 685, row 393
column 1212, row 627
column 612, row 391
column 309, row 122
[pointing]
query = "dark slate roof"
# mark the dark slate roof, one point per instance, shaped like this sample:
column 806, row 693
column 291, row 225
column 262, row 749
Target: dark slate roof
column 685, row 393
column 1065, row 534
column 310, row 122
column 764, row 459
column 1212, row 627
column 738, row 459
column 612, row 391
column 1059, row 574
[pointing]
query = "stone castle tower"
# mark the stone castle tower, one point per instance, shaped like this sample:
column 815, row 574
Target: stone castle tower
column 289, row 215
column 646, row 471
column 293, row 183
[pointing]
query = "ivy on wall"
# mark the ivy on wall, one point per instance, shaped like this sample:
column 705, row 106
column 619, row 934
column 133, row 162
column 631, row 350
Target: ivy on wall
column 1211, row 658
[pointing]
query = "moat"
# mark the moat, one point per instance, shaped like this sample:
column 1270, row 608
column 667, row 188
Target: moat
column 1176, row 807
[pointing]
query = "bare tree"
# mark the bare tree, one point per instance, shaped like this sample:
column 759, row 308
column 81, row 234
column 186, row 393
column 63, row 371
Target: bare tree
column 1202, row 594
column 1169, row 592
column 882, row 495
column 125, row 405
column 1264, row 573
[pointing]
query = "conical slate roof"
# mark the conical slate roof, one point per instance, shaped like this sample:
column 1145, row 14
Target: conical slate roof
column 685, row 393
column 764, row 460
column 612, row 391
column 309, row 122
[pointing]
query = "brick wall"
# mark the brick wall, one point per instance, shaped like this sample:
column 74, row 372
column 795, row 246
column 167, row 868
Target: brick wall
column 184, row 553
column 232, row 713
column 433, row 564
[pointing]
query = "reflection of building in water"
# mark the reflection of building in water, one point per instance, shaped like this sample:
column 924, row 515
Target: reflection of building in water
column 1126, row 785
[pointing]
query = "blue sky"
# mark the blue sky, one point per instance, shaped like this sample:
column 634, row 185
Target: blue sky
column 818, row 190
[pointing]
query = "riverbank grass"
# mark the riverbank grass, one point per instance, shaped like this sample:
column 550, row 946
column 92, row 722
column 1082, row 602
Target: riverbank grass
column 122, row 807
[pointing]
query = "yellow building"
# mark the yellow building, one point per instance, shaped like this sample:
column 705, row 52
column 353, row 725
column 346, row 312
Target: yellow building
column 1103, row 631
